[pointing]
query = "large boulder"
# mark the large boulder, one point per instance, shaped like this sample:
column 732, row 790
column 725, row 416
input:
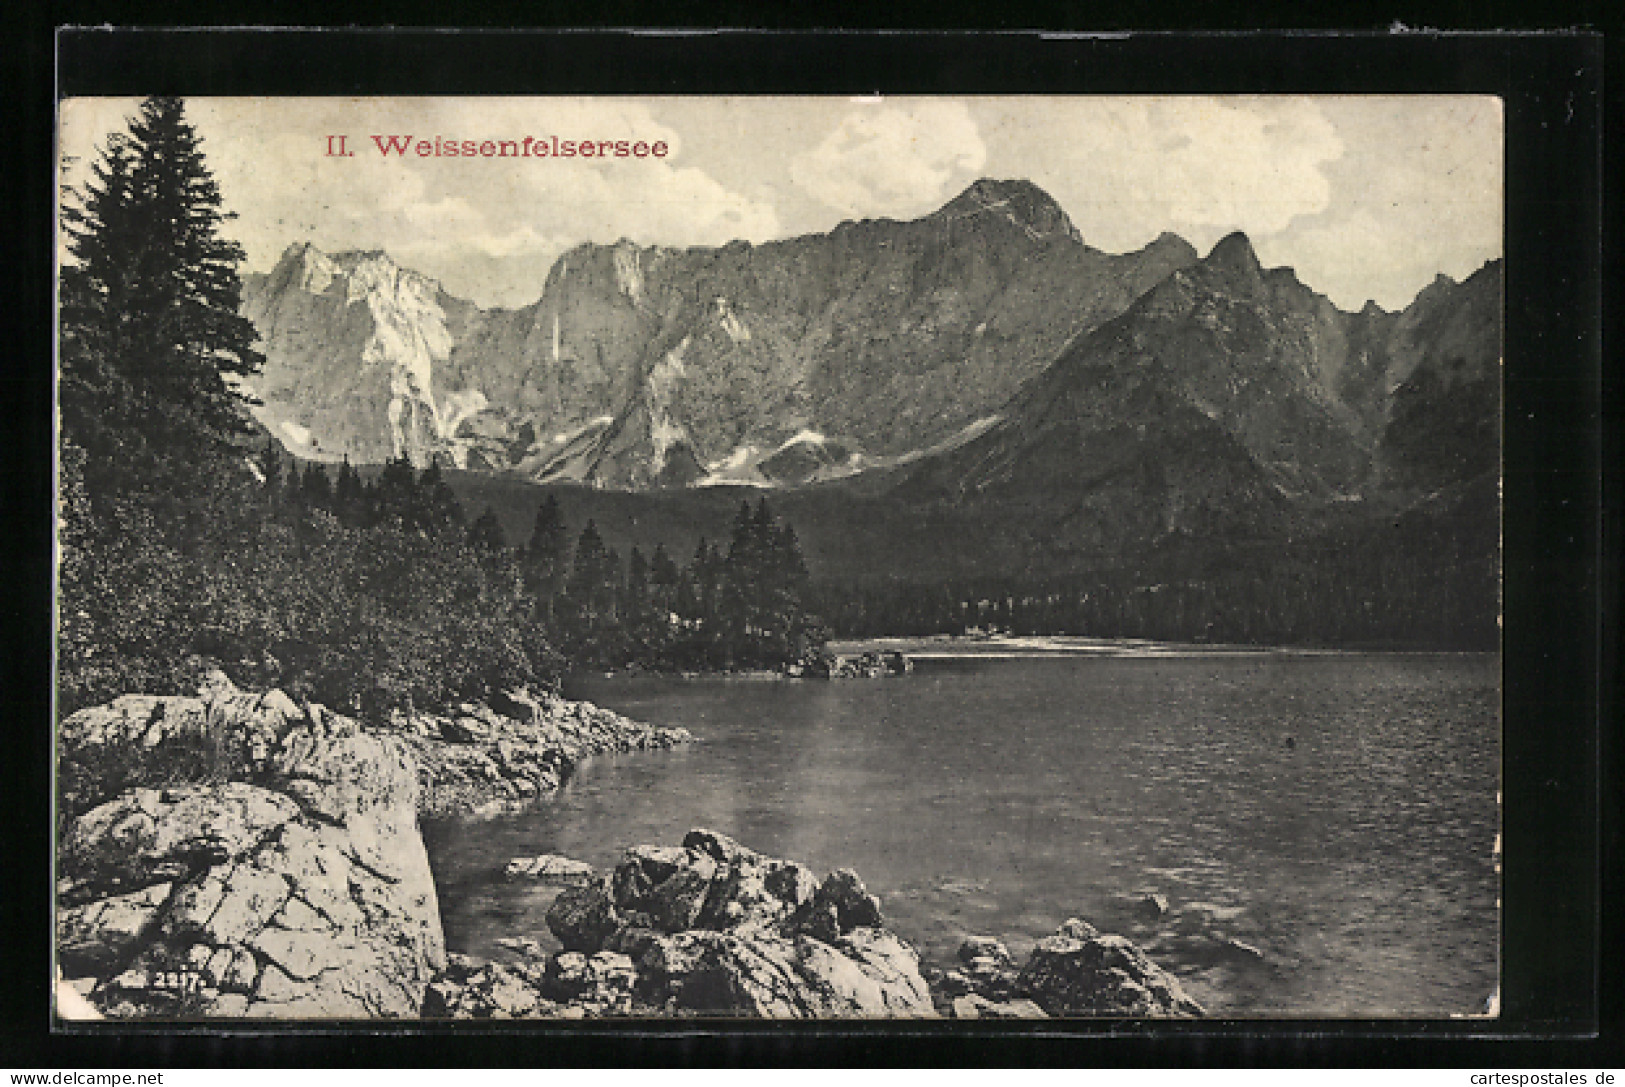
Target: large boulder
column 220, row 734
column 149, row 836
column 662, row 888
column 1082, row 972
column 584, row 917
column 304, row 895
column 96, row 937
column 869, row 973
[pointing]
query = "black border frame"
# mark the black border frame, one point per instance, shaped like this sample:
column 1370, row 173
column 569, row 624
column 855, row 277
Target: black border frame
column 1561, row 586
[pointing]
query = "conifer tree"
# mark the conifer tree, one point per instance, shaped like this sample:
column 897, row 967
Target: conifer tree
column 316, row 488
column 485, row 534
column 395, row 496
column 588, row 573
column 546, row 552
column 438, row 508
column 349, row 496
column 637, row 579
column 612, row 584
column 153, row 341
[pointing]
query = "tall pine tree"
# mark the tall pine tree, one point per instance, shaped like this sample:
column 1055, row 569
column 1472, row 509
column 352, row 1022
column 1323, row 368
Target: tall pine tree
column 547, row 553
column 154, row 345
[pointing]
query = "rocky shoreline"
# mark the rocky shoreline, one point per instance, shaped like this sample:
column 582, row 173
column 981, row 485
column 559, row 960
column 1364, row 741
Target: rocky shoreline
column 275, row 869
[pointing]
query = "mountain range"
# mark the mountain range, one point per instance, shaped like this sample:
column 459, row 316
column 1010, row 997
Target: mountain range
column 648, row 366
column 979, row 385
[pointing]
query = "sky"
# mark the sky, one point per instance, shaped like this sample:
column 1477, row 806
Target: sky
column 1367, row 197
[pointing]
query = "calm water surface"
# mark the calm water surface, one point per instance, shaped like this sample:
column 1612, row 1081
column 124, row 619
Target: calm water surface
column 1002, row 797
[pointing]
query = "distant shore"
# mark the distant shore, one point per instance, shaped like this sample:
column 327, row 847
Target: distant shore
column 951, row 647
column 1000, row 646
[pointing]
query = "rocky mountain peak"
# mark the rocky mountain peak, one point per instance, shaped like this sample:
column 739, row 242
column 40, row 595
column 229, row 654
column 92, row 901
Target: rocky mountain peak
column 1169, row 242
column 1234, row 256
column 304, row 267
column 1020, row 202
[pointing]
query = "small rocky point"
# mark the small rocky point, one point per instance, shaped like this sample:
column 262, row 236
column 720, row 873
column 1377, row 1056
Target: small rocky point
column 491, row 758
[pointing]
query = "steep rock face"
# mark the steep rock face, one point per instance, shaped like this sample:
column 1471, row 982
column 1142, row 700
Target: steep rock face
column 886, row 336
column 354, row 351
column 1255, row 352
column 305, row 895
column 644, row 367
column 1442, row 423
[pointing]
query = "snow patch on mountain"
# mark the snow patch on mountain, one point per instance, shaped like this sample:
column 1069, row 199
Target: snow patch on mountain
column 596, row 423
column 737, row 469
column 293, row 432
column 741, row 457
column 461, row 406
column 808, row 437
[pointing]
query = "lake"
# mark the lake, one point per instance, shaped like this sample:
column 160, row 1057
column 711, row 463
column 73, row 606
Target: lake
column 1322, row 827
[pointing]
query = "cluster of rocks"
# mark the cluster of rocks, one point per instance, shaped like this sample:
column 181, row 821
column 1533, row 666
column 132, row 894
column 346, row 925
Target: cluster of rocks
column 482, row 757
column 567, row 986
column 706, row 928
column 1079, row 971
column 713, row 928
column 303, row 891
column 822, row 664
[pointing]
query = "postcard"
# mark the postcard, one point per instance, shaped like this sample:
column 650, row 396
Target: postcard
column 1005, row 557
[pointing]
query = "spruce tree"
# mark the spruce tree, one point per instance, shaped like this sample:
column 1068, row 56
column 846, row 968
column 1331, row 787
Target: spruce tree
column 485, row 534
column 439, row 508
column 270, row 465
column 349, row 496
column 154, row 345
column 317, row 488
column 663, row 578
column 546, row 551
column 395, row 496
column 588, row 572
column 637, row 579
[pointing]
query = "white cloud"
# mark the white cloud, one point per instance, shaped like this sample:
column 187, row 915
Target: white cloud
column 1366, row 196
column 889, row 159
column 1421, row 194
column 1127, row 169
